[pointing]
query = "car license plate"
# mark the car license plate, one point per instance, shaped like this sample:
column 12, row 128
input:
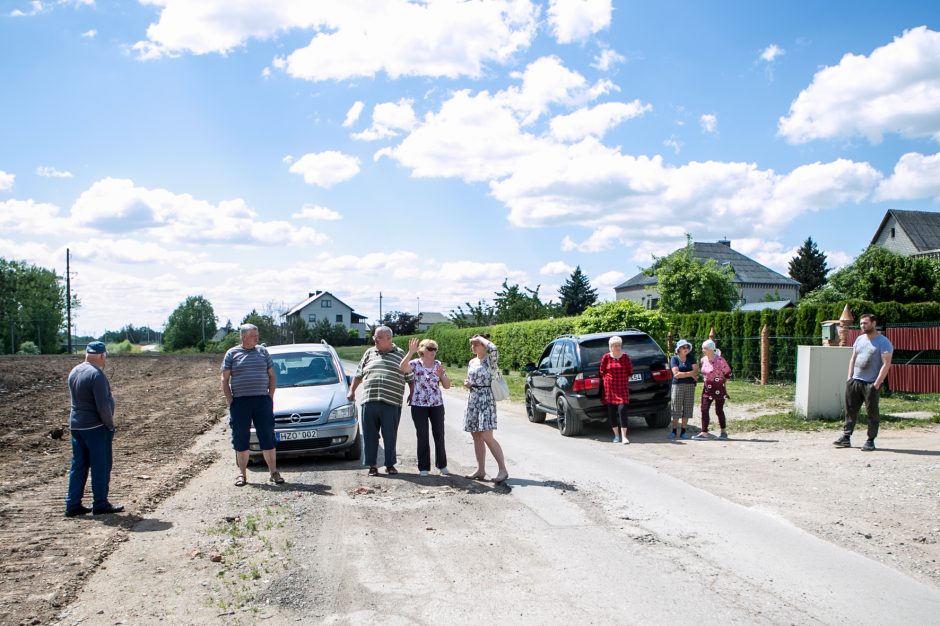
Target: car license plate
column 292, row 435
column 636, row 378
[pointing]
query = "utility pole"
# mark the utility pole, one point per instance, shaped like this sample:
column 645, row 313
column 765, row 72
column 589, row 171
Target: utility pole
column 419, row 305
column 380, row 307
column 68, row 299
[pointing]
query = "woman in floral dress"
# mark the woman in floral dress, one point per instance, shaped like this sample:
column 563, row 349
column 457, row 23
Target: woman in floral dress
column 480, row 414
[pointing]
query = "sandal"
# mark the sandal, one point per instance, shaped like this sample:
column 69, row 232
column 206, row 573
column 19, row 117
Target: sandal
column 276, row 478
column 391, row 471
column 501, row 478
column 476, row 476
column 240, row 481
column 373, row 470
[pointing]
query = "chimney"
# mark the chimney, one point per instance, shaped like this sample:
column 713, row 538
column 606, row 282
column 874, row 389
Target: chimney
column 724, row 242
column 310, row 294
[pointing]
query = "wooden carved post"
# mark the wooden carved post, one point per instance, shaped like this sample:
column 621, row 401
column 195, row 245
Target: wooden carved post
column 669, row 342
column 711, row 334
column 845, row 320
column 764, row 355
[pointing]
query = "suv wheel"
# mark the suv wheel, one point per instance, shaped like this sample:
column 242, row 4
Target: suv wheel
column 569, row 424
column 532, row 409
column 659, row 419
column 353, row 451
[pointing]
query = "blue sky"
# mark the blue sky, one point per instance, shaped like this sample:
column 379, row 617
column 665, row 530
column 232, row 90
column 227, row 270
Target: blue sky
column 252, row 152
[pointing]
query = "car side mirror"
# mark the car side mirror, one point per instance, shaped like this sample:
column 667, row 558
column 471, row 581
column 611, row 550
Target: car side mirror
column 529, row 367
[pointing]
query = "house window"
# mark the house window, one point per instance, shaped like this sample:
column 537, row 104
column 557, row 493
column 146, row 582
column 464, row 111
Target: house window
column 892, row 232
column 339, row 319
column 312, row 317
column 326, row 304
column 652, row 303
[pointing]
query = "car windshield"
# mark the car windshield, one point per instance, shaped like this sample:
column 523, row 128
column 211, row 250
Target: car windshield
column 640, row 348
column 302, row 369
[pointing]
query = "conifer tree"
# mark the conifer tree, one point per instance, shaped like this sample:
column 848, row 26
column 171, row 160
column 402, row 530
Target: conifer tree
column 577, row 294
column 809, row 267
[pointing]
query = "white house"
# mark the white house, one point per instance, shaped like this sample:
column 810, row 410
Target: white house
column 322, row 305
column 430, row 318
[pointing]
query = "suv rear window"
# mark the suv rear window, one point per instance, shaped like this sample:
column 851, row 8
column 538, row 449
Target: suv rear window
column 637, row 347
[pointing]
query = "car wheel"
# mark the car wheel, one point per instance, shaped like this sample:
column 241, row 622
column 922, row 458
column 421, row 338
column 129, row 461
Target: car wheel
column 532, row 409
column 659, row 419
column 354, row 451
column 569, row 424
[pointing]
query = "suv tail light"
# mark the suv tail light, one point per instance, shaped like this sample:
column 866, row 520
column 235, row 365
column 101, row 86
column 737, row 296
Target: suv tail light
column 583, row 384
column 661, row 376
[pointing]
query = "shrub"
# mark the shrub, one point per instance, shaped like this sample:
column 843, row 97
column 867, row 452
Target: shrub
column 619, row 315
column 123, row 347
column 28, row 347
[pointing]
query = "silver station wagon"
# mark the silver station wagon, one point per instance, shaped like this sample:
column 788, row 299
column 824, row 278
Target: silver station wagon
column 311, row 412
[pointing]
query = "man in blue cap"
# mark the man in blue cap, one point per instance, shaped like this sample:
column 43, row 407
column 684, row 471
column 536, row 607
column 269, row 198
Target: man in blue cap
column 91, row 421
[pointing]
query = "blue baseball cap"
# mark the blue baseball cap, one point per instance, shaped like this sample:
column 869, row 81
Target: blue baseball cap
column 96, row 347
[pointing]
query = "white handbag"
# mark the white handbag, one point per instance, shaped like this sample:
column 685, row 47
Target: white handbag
column 500, row 388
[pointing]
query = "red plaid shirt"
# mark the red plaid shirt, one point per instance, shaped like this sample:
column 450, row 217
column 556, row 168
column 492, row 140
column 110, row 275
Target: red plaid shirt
column 615, row 378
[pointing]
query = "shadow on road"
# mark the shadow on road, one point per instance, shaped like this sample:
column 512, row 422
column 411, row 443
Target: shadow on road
column 914, row 452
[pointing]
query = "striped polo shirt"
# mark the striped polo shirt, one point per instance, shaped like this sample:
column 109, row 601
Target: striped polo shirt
column 382, row 381
column 249, row 370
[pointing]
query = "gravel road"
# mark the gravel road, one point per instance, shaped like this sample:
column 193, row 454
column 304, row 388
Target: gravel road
column 584, row 532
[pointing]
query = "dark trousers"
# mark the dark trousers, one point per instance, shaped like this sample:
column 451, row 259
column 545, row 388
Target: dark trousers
column 378, row 416
column 719, row 411
column 91, row 449
column 856, row 393
column 421, row 415
column 617, row 415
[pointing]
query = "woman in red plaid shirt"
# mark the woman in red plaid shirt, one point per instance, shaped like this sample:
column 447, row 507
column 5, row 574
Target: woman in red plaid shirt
column 616, row 369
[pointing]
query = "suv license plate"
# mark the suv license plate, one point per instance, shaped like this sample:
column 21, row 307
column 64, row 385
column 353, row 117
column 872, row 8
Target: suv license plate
column 636, row 378
column 294, row 435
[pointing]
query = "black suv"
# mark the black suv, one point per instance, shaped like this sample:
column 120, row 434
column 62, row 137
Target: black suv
column 566, row 381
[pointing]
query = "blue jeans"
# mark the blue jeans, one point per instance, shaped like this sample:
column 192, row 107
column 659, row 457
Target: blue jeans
column 380, row 415
column 91, row 449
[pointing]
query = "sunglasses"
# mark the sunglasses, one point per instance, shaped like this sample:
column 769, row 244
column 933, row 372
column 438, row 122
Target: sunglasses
column 430, row 349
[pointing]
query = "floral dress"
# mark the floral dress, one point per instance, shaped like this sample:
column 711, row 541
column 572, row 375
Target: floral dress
column 480, row 414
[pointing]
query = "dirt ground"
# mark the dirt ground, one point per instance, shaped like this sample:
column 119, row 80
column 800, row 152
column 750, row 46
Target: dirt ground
column 163, row 405
column 217, row 554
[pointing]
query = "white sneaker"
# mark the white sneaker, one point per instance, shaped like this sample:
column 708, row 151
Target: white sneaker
column 424, row 473
column 444, row 472
column 626, row 441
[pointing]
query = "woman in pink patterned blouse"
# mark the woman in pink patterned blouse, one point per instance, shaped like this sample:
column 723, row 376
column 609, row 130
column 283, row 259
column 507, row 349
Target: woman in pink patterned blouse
column 427, row 404
column 715, row 373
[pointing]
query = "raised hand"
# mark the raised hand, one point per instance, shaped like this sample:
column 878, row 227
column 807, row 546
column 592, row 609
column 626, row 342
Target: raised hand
column 439, row 370
column 412, row 345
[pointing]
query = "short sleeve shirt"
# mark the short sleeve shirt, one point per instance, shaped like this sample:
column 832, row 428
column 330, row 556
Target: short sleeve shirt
column 868, row 356
column 427, row 384
column 683, row 367
column 382, row 380
column 249, row 370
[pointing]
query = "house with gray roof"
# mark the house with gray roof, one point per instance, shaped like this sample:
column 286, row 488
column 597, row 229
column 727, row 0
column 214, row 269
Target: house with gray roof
column 322, row 305
column 430, row 318
column 911, row 233
column 753, row 281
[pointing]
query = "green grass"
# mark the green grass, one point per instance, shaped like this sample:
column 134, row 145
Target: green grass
column 794, row 422
column 351, row 353
column 744, row 392
column 901, row 402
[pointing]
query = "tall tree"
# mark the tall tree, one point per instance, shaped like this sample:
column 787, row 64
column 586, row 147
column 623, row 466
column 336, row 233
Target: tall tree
column 190, row 325
column 577, row 294
column 269, row 332
column 481, row 314
column 687, row 285
column 401, row 323
column 32, row 306
column 879, row 275
column 809, row 267
column 515, row 304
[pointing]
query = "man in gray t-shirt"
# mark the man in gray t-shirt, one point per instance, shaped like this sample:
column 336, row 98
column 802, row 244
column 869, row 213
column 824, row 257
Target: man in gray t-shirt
column 868, row 368
column 248, row 382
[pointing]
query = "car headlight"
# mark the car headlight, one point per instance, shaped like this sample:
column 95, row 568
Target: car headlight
column 344, row 412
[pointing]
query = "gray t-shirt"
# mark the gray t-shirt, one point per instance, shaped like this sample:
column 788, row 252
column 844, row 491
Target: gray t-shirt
column 868, row 356
column 249, row 370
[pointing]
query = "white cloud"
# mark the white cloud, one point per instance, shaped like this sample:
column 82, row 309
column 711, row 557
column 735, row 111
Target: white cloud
column 576, row 20
column 709, row 123
column 556, row 267
column 50, row 172
column 606, row 59
column 894, row 90
column 388, row 118
column 124, row 250
column 6, row 181
column 606, row 282
column 915, row 177
column 117, row 206
column 771, row 52
column 89, row 34
column 29, row 216
column 674, row 143
column 35, row 8
column 28, row 251
column 316, row 213
column 326, row 169
column 287, row 159
column 353, row 113
column 352, row 38
column 595, row 121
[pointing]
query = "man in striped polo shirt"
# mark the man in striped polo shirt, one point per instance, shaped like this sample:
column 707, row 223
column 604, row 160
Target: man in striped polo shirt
column 383, row 385
column 248, row 382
